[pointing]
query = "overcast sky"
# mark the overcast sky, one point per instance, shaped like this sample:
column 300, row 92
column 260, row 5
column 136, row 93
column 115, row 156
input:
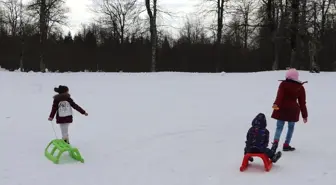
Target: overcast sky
column 80, row 12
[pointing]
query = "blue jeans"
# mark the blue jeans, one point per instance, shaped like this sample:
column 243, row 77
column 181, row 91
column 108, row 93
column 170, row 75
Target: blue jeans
column 278, row 131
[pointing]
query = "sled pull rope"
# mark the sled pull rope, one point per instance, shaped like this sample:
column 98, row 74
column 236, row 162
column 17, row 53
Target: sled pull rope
column 53, row 127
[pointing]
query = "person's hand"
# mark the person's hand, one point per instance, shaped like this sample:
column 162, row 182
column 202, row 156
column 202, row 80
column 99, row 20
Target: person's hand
column 86, row 114
column 275, row 107
column 50, row 119
column 305, row 120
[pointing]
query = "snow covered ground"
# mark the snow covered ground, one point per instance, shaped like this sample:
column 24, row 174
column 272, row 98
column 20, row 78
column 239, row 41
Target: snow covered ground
column 161, row 129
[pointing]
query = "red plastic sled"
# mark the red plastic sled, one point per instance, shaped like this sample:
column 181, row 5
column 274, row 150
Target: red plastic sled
column 266, row 160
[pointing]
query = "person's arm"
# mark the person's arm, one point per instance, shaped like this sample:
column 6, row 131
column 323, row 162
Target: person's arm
column 302, row 103
column 279, row 97
column 53, row 110
column 75, row 106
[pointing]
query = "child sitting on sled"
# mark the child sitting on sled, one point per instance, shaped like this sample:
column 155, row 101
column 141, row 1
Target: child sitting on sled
column 257, row 139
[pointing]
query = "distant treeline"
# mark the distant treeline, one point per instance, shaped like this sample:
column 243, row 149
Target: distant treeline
column 304, row 39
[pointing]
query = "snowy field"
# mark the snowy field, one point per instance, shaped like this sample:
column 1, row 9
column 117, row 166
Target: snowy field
column 161, row 129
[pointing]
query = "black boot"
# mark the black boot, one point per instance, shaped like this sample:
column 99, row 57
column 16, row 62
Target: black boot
column 274, row 147
column 250, row 159
column 287, row 147
column 276, row 157
column 67, row 141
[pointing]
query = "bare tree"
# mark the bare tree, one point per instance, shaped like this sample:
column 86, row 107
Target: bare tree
column 15, row 21
column 320, row 10
column 275, row 10
column 151, row 7
column 294, row 31
column 54, row 13
column 324, row 10
column 120, row 15
column 217, row 7
column 193, row 30
column 22, row 26
column 43, row 31
column 245, row 10
column 303, row 31
column 235, row 33
column 313, row 42
column 12, row 15
column 2, row 21
column 50, row 13
column 276, row 19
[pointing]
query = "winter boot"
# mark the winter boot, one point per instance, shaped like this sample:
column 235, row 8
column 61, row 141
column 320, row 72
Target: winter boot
column 67, row 141
column 274, row 146
column 286, row 147
column 276, row 157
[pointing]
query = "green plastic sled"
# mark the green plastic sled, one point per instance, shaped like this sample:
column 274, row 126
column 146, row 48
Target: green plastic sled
column 57, row 147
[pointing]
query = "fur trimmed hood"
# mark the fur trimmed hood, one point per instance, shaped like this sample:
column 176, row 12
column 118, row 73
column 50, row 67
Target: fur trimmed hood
column 60, row 97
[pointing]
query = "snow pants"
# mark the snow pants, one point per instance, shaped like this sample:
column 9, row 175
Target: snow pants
column 266, row 151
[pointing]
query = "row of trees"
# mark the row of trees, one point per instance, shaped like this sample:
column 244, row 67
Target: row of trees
column 132, row 36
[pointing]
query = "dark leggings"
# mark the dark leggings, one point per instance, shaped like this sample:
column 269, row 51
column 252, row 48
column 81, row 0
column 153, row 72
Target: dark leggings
column 267, row 151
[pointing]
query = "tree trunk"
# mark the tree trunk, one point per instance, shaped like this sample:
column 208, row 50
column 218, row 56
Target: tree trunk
column 294, row 32
column 43, row 34
column 303, row 33
column 312, row 42
column 154, row 43
column 153, row 31
column 246, row 29
column 276, row 54
column 22, row 38
column 271, row 26
column 220, row 14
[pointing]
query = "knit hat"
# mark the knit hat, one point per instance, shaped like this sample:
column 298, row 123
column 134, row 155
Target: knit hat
column 61, row 89
column 292, row 74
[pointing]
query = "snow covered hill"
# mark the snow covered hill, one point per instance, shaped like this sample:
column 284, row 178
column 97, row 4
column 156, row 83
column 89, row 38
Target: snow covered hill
column 161, row 129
